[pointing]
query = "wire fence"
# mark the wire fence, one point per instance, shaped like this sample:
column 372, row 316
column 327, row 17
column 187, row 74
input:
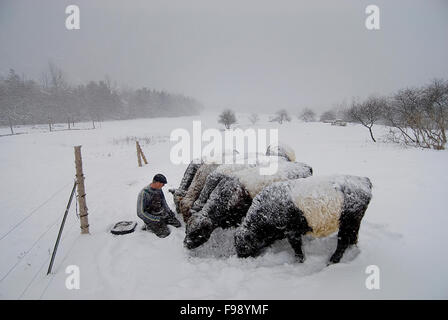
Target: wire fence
column 34, row 211
column 41, row 237
column 59, row 265
column 41, row 240
column 25, row 253
column 45, row 263
column 29, row 250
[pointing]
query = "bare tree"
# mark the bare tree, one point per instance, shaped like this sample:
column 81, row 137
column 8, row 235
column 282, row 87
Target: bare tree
column 14, row 99
column 401, row 114
column 254, row 118
column 281, row 116
column 58, row 102
column 436, row 110
column 307, row 115
column 56, row 77
column 419, row 116
column 227, row 118
column 368, row 112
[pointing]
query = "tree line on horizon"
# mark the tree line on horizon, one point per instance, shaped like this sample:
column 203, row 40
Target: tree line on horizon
column 416, row 116
column 54, row 100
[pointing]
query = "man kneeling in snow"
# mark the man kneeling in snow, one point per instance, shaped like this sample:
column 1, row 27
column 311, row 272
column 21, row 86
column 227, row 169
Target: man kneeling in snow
column 153, row 209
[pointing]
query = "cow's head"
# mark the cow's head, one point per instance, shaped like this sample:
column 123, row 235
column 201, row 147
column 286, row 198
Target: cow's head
column 198, row 231
column 246, row 244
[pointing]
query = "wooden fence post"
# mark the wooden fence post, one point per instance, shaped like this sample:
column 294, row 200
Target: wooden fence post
column 10, row 124
column 81, row 192
column 141, row 152
column 138, row 154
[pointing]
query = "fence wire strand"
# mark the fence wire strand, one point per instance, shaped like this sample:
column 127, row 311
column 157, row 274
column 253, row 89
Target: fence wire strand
column 33, row 211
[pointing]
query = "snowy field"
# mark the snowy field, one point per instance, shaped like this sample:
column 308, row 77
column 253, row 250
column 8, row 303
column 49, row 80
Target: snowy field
column 404, row 231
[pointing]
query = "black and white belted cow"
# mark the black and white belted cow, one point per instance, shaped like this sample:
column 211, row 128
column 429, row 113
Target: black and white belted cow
column 318, row 206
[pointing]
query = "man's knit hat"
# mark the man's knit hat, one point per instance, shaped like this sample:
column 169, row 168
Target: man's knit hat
column 159, row 178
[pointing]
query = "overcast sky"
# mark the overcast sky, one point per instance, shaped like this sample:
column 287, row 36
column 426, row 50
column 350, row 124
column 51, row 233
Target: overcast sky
column 246, row 55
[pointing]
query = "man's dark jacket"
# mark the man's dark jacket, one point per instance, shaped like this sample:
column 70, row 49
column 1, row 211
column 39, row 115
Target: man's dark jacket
column 152, row 206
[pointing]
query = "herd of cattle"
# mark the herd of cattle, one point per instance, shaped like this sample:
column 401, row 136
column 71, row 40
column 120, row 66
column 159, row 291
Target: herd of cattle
column 265, row 208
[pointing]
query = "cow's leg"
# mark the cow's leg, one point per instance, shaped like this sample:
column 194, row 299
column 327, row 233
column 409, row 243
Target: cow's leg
column 349, row 224
column 295, row 240
column 296, row 226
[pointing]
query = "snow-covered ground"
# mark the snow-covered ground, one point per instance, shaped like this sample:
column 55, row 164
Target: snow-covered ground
column 404, row 231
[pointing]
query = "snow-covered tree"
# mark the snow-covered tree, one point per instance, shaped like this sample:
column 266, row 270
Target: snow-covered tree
column 54, row 100
column 307, row 115
column 227, row 118
column 254, row 118
column 368, row 112
column 281, row 116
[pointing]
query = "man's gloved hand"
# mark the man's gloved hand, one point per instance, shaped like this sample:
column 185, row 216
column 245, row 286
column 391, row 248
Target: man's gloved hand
column 172, row 220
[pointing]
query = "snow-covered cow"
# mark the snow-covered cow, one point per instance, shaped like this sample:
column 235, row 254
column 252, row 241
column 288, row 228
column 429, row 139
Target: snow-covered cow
column 194, row 189
column 230, row 194
column 221, row 172
column 196, row 177
column 185, row 183
column 317, row 205
column 282, row 151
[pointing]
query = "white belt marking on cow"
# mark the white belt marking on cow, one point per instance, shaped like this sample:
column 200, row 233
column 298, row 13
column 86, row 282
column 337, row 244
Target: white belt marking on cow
column 321, row 205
